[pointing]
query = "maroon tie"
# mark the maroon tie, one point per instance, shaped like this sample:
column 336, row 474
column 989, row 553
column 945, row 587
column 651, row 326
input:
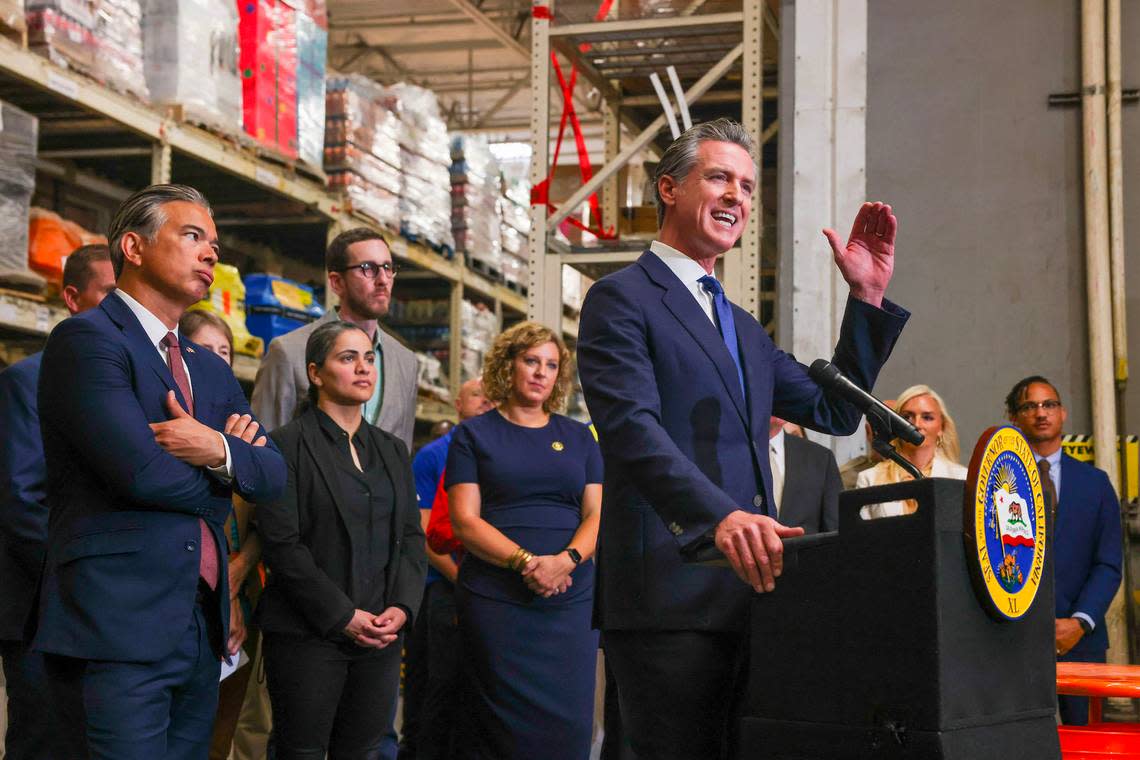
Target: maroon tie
column 208, row 559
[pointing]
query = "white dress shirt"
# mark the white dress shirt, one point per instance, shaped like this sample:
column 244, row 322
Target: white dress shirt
column 155, row 331
column 689, row 272
column 779, row 470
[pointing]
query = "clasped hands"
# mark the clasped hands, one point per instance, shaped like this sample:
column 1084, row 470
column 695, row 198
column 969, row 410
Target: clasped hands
column 753, row 545
column 549, row 574
column 196, row 444
column 376, row 631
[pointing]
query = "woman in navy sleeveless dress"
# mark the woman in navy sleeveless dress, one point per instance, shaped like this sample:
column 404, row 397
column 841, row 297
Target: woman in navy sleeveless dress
column 525, row 494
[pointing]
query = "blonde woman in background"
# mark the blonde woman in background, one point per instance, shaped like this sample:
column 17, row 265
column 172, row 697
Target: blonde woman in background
column 935, row 457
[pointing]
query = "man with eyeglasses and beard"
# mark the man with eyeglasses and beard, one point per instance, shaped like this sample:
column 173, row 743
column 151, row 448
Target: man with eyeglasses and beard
column 1087, row 549
column 362, row 274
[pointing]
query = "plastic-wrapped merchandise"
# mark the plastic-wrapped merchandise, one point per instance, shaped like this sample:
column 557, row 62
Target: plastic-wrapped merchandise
column 515, row 269
column 371, row 200
column 362, row 147
column 12, row 18
column 425, row 198
column 312, row 56
column 191, row 60
column 63, row 32
column 480, row 327
column 267, row 37
column 356, row 114
column 51, row 239
column 19, row 132
column 119, row 40
column 475, row 219
column 226, row 298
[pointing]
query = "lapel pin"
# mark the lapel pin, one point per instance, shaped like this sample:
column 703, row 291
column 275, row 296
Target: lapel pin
column 557, row 446
column 189, row 350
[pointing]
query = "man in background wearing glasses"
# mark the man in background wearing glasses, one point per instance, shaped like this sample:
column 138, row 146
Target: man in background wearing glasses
column 1087, row 549
column 362, row 274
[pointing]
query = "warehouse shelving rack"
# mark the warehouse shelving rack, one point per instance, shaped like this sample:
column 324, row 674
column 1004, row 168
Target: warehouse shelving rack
column 717, row 48
column 109, row 144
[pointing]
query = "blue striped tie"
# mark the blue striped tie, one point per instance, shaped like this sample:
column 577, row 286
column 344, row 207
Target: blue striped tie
column 725, row 322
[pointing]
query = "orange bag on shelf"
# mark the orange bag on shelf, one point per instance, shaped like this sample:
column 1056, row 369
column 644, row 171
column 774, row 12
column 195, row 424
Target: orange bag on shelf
column 51, row 239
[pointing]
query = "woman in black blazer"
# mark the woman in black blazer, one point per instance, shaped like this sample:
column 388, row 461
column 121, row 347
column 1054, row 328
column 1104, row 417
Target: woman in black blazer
column 346, row 558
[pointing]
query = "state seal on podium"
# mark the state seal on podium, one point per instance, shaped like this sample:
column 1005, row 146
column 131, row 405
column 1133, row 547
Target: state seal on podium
column 1004, row 523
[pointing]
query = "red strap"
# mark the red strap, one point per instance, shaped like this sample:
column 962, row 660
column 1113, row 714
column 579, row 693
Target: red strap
column 540, row 193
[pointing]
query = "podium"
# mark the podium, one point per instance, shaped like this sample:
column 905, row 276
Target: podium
column 874, row 645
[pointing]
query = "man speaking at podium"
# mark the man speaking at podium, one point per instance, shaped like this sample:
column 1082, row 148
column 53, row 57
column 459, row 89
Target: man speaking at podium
column 680, row 384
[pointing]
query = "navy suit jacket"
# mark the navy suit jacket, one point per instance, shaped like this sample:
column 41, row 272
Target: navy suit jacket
column 23, row 503
column 1087, row 551
column 682, row 445
column 121, row 573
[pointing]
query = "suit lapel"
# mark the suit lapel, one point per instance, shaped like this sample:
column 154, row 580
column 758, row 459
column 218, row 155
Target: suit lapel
column 680, row 302
column 140, row 344
column 200, row 386
column 391, row 383
column 318, row 449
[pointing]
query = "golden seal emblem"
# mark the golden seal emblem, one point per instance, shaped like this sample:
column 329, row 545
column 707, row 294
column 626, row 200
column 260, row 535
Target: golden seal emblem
column 1004, row 523
column 557, row 446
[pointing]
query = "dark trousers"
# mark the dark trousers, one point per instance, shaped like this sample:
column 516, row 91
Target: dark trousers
column 148, row 710
column 415, row 683
column 614, row 744
column 330, row 697
column 38, row 728
column 439, row 716
column 678, row 691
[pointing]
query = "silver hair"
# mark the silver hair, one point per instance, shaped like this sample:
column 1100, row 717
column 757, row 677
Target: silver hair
column 142, row 214
column 681, row 155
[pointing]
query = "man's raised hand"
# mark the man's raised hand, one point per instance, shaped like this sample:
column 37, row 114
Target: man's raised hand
column 868, row 259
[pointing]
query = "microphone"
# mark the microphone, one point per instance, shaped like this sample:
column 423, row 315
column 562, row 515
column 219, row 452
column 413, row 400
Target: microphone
column 884, row 420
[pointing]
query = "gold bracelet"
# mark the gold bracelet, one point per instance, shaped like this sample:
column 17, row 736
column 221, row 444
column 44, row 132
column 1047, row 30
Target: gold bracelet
column 513, row 559
column 524, row 561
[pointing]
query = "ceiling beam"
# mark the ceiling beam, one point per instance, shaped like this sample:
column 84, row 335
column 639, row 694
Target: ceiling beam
column 502, row 101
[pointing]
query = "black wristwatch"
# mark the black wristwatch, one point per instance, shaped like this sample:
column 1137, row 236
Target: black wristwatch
column 575, row 556
column 1084, row 625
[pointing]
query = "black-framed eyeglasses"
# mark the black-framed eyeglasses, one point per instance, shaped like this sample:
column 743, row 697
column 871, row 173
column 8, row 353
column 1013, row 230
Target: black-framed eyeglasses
column 370, row 269
column 1049, row 405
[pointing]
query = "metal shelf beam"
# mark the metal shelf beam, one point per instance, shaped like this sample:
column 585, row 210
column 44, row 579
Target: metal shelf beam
column 601, row 31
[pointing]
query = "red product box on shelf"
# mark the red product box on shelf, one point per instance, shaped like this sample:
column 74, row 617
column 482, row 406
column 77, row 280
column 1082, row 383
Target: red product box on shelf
column 268, row 62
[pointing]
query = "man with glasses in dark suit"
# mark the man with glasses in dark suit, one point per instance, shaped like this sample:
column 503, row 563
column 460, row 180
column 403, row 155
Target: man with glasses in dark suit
column 1087, row 548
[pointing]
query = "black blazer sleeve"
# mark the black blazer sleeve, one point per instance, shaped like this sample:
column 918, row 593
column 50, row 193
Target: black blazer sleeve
column 309, row 589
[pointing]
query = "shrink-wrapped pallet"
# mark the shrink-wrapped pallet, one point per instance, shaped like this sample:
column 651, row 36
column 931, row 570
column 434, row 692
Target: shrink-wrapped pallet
column 18, row 137
column 191, row 60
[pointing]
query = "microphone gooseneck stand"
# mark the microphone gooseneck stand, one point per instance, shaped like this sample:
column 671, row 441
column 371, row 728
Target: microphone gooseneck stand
column 885, row 449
